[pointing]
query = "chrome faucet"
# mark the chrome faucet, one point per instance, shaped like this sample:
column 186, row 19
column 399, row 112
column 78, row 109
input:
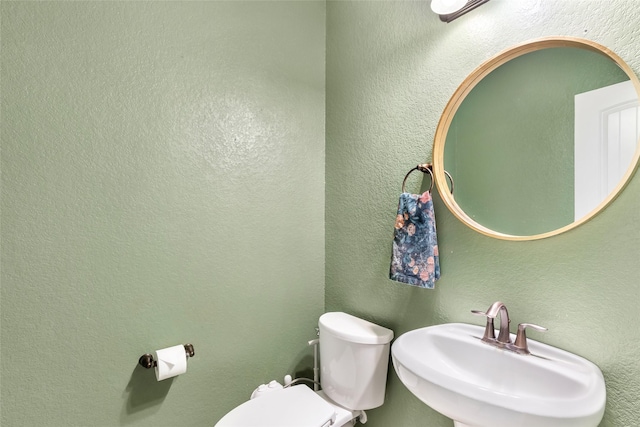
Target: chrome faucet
column 504, row 339
column 496, row 309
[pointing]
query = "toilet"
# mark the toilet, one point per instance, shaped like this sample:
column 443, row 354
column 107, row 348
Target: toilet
column 354, row 356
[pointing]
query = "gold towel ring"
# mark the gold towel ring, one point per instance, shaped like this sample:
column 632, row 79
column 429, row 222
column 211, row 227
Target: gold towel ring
column 426, row 168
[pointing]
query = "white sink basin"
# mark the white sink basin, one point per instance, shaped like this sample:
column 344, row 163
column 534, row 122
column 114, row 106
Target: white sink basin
column 472, row 382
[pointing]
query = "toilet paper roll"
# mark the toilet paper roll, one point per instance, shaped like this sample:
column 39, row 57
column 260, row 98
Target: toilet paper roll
column 171, row 361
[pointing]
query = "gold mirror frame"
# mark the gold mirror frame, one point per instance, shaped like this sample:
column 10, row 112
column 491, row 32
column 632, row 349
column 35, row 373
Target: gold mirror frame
column 471, row 81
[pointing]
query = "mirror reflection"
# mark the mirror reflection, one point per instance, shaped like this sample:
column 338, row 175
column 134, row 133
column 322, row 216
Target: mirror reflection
column 542, row 140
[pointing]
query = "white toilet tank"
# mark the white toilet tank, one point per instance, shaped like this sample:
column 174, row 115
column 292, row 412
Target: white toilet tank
column 354, row 356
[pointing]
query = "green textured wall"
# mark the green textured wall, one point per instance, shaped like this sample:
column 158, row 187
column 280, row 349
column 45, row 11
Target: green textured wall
column 163, row 178
column 391, row 67
column 162, row 183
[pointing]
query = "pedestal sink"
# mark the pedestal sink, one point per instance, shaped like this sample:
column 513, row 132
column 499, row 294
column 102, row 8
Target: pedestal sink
column 451, row 370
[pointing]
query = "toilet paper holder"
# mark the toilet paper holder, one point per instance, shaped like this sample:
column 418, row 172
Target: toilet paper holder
column 147, row 361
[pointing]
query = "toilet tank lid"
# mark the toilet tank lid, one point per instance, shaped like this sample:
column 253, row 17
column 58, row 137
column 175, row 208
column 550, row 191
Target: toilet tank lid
column 354, row 329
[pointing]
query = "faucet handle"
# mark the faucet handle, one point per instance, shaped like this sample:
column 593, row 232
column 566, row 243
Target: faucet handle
column 520, row 346
column 489, row 331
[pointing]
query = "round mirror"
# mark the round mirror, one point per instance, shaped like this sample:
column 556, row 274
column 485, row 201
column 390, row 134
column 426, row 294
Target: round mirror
column 539, row 138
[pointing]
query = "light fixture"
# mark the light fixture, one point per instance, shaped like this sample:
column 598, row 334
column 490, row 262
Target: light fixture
column 446, row 7
column 452, row 9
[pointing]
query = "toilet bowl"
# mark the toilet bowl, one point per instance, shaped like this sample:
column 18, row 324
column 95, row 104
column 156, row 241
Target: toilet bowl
column 354, row 357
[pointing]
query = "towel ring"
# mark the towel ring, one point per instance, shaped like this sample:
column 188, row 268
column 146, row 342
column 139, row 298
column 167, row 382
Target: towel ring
column 426, row 168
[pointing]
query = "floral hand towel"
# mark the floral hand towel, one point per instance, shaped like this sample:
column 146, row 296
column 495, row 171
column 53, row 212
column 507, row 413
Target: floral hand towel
column 415, row 258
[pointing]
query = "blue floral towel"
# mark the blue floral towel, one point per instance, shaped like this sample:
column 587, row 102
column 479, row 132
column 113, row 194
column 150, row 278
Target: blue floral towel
column 415, row 258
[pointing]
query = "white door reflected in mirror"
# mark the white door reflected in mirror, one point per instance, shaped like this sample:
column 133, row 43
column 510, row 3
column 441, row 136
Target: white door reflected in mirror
column 607, row 129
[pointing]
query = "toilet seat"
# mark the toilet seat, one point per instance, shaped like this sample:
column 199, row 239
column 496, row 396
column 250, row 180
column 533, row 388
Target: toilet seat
column 296, row 406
